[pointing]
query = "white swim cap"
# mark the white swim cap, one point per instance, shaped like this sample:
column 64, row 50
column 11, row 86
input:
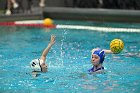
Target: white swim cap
column 35, row 65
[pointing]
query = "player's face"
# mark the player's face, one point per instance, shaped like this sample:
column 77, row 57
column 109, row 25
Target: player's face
column 95, row 59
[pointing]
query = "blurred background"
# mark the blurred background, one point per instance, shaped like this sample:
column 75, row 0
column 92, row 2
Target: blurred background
column 36, row 8
column 9, row 7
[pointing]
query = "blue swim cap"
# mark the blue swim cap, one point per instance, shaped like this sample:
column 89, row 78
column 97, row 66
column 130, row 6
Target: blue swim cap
column 101, row 54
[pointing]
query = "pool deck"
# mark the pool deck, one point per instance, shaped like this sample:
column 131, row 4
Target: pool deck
column 89, row 14
column 19, row 17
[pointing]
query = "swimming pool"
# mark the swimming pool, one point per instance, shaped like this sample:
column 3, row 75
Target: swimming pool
column 68, row 60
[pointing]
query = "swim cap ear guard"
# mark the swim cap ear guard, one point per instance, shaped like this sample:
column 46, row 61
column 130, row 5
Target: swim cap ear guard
column 35, row 65
column 101, row 54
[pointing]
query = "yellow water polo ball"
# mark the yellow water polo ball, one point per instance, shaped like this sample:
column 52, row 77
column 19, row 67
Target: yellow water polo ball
column 116, row 45
column 48, row 22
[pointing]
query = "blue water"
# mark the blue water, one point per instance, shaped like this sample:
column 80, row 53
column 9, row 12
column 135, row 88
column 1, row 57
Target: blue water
column 68, row 60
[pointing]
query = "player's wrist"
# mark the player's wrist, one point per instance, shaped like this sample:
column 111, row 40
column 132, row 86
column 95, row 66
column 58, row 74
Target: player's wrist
column 50, row 44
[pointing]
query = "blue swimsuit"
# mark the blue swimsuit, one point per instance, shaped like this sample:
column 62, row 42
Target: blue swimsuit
column 92, row 69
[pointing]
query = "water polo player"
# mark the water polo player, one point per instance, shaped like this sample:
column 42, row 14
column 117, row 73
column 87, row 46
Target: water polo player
column 97, row 59
column 39, row 65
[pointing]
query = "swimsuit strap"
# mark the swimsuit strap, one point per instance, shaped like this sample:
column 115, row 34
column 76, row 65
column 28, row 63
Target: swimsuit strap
column 92, row 69
column 99, row 69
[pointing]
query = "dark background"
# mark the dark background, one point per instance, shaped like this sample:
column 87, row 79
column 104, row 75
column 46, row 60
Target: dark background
column 107, row 4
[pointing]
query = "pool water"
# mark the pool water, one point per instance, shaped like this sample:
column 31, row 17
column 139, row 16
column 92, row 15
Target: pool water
column 68, row 60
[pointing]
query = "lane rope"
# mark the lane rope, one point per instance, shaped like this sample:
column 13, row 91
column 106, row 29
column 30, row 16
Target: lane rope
column 39, row 23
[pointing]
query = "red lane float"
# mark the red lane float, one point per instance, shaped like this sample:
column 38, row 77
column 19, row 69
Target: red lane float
column 47, row 23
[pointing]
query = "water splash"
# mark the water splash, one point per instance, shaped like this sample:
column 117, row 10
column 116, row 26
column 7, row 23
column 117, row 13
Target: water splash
column 64, row 33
